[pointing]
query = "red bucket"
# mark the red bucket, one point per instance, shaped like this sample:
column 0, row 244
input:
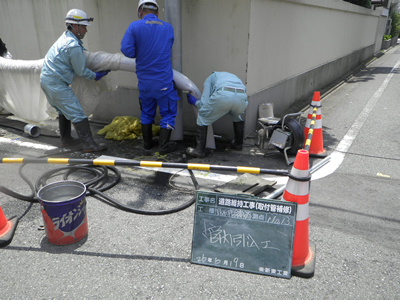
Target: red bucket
column 63, row 206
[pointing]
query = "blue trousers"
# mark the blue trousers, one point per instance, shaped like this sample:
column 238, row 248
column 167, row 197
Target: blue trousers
column 166, row 98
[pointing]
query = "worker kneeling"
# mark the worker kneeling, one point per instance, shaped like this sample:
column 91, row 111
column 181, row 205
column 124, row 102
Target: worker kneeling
column 62, row 63
column 223, row 93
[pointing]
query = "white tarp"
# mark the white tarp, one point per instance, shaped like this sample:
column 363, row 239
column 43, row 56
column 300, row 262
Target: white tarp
column 21, row 95
column 20, row 91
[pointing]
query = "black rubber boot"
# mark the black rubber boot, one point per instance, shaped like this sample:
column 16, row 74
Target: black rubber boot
column 237, row 143
column 147, row 133
column 201, row 137
column 65, row 132
column 165, row 145
column 85, row 135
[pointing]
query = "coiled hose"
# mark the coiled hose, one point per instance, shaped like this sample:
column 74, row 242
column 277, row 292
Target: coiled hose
column 95, row 187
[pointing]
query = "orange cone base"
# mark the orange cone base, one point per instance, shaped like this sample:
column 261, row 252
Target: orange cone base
column 306, row 270
column 8, row 234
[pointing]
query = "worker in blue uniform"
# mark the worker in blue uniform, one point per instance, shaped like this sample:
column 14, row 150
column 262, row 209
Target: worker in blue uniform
column 150, row 41
column 223, row 93
column 62, row 63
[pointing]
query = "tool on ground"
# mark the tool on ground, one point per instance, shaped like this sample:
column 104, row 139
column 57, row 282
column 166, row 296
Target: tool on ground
column 286, row 133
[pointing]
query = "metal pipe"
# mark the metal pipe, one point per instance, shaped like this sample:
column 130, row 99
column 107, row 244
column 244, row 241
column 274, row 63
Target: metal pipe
column 173, row 16
column 149, row 164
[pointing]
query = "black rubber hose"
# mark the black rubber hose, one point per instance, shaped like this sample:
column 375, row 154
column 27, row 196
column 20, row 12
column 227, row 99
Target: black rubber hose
column 143, row 212
column 95, row 187
column 150, row 212
column 30, row 198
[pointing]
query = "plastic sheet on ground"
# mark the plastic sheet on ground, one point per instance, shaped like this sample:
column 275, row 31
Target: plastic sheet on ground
column 125, row 128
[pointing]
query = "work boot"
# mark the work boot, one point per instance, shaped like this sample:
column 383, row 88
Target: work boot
column 85, row 135
column 201, row 137
column 165, row 145
column 65, row 132
column 147, row 133
column 237, row 143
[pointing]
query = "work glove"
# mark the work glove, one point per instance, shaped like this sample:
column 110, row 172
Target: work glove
column 191, row 100
column 101, row 74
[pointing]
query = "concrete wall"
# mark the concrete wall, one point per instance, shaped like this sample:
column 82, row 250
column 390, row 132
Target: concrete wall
column 282, row 49
column 304, row 45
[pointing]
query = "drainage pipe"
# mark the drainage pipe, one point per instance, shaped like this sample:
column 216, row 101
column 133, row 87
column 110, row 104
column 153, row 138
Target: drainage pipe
column 173, row 16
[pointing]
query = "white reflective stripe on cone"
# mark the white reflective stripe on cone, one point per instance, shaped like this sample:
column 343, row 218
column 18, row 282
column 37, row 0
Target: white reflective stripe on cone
column 299, row 173
column 303, row 212
column 298, row 188
column 316, row 103
column 317, row 125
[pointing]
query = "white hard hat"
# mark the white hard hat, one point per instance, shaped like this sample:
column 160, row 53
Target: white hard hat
column 77, row 16
column 151, row 4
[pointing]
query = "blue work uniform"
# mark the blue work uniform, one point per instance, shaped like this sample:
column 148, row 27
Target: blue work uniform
column 62, row 63
column 223, row 93
column 150, row 41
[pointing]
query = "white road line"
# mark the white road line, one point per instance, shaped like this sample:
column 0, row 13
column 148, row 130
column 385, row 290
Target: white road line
column 26, row 144
column 339, row 154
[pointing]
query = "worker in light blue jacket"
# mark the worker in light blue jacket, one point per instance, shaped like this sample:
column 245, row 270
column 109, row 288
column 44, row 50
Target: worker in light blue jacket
column 150, row 41
column 223, row 93
column 62, row 63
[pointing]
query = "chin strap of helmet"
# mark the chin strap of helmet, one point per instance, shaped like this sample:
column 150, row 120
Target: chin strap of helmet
column 77, row 31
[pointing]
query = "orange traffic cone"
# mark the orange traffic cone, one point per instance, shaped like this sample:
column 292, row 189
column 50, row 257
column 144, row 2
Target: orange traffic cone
column 7, row 229
column 297, row 190
column 317, row 142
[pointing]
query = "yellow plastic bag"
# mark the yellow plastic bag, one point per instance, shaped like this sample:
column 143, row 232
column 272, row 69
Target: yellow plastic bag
column 124, row 128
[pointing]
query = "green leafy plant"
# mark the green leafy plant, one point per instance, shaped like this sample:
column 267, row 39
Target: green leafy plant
column 387, row 37
column 395, row 16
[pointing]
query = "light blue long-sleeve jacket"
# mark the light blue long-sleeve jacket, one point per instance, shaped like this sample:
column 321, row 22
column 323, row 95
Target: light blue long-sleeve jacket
column 62, row 63
column 215, row 103
column 65, row 60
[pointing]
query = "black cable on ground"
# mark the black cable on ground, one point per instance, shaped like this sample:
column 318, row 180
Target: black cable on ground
column 149, row 212
column 30, row 198
column 95, row 186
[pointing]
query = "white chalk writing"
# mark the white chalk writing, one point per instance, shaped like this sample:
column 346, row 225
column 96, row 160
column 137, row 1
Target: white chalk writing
column 218, row 235
column 215, row 260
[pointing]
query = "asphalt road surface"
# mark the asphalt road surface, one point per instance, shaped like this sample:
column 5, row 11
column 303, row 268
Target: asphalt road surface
column 354, row 212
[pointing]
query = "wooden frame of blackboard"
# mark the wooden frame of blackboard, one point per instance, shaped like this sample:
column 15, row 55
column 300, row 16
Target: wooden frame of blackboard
column 244, row 233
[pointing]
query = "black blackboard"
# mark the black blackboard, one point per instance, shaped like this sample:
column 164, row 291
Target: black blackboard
column 243, row 233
